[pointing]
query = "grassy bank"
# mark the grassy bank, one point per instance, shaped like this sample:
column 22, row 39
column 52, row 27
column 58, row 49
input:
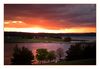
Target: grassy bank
column 75, row 62
column 33, row 40
column 50, row 40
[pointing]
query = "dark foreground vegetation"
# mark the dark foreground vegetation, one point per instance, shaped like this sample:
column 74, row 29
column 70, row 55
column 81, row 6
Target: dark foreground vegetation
column 22, row 56
column 81, row 51
column 75, row 62
column 78, row 54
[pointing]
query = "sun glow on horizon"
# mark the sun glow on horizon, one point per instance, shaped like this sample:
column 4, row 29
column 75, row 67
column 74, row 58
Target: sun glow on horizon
column 20, row 26
column 43, row 30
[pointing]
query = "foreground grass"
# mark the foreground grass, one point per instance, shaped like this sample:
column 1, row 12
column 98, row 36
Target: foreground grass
column 75, row 62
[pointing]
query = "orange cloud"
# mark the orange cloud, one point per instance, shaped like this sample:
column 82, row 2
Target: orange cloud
column 15, row 24
column 38, row 25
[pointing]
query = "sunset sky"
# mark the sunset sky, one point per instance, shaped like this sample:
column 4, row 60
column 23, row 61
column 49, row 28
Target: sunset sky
column 50, row 18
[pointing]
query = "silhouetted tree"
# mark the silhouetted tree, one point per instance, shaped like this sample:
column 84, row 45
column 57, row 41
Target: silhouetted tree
column 74, row 52
column 89, row 51
column 81, row 51
column 41, row 54
column 60, row 53
column 22, row 56
column 51, row 56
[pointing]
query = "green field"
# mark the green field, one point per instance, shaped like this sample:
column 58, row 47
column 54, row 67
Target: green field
column 35, row 40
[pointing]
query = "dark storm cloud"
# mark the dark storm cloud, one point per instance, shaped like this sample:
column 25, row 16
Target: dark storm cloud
column 80, row 14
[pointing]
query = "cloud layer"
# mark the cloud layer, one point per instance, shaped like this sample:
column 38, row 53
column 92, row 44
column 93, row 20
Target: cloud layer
column 52, row 16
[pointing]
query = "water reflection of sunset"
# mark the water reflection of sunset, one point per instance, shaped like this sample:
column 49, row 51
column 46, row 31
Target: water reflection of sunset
column 35, row 60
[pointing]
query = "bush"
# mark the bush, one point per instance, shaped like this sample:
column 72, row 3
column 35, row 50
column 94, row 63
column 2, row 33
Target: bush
column 22, row 56
column 41, row 54
column 74, row 52
column 81, row 51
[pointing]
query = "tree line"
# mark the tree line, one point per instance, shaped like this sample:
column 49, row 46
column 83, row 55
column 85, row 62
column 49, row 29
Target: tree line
column 23, row 56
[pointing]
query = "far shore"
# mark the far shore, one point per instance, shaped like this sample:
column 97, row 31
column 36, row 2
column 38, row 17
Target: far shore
column 41, row 41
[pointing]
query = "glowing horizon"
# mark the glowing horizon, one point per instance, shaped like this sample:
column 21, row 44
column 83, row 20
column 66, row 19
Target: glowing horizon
column 42, row 30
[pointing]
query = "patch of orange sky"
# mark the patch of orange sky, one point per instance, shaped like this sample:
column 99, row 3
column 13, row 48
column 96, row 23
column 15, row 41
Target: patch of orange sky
column 20, row 26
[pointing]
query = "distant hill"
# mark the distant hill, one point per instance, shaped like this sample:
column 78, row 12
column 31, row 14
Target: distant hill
column 47, row 34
